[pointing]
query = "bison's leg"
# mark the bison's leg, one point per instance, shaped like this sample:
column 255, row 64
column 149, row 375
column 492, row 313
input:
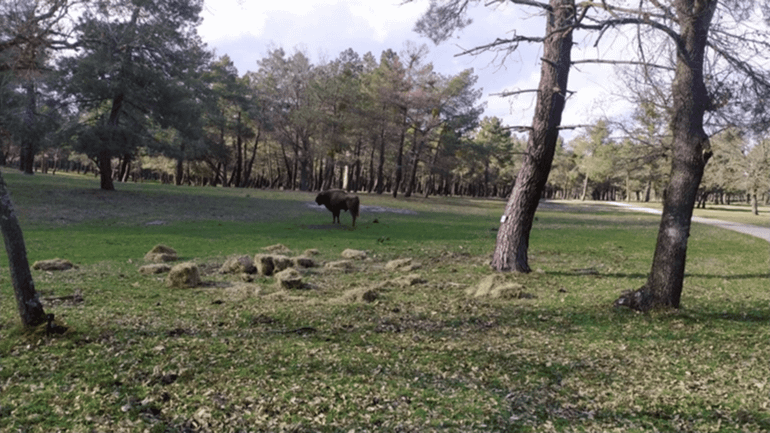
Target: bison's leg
column 336, row 216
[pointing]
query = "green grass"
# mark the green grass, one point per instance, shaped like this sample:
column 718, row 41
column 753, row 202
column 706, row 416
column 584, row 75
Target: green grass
column 221, row 357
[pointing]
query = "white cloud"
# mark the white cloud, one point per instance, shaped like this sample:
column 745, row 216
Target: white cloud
column 231, row 19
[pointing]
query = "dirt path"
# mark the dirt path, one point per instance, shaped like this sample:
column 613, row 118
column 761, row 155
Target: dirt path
column 756, row 231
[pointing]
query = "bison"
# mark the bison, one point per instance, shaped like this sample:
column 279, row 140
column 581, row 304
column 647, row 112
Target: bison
column 337, row 200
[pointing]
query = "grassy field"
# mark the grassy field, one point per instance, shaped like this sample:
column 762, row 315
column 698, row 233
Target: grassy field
column 236, row 356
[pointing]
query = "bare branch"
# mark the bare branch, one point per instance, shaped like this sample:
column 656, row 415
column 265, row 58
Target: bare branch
column 622, row 62
column 574, row 126
column 513, row 93
column 615, row 11
column 498, row 42
column 518, row 128
column 543, row 6
column 529, row 128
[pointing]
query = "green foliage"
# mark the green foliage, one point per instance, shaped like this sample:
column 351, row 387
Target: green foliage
column 227, row 356
column 135, row 72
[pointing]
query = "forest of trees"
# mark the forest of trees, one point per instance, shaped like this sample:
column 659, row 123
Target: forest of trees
column 126, row 90
column 149, row 102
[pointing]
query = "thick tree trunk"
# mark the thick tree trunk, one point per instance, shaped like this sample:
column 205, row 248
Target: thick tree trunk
column 27, row 151
column 30, row 309
column 105, row 170
column 104, row 158
column 691, row 151
column 516, row 223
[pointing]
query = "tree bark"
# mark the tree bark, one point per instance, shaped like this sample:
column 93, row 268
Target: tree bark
column 381, row 164
column 691, row 151
column 105, row 170
column 417, row 147
column 400, row 157
column 515, row 226
column 27, row 151
column 30, row 309
column 235, row 179
column 104, row 158
column 250, row 165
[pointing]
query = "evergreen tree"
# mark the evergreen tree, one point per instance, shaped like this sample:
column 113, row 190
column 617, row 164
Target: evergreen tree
column 129, row 72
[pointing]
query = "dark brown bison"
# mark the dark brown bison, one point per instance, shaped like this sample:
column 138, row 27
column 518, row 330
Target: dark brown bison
column 337, row 200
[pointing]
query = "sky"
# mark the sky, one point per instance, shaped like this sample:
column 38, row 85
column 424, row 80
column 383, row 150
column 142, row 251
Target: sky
column 246, row 30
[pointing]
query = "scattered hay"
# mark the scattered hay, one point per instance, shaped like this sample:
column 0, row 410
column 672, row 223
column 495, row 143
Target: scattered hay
column 270, row 264
column 264, row 264
column 277, row 249
column 161, row 254
column 408, row 280
column 354, row 254
column 281, row 262
column 402, row 265
column 238, row 265
column 184, row 275
column 497, row 286
column 360, row 294
column 240, row 291
column 289, row 278
column 341, row 265
column 303, row 262
column 53, row 265
column 283, row 295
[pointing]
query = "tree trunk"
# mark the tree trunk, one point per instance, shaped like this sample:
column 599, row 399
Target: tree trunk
column 691, row 151
column 381, row 164
column 30, row 309
column 125, row 166
column 415, row 163
column 585, row 189
column 105, row 170
column 400, row 157
column 433, row 162
column 371, row 174
column 27, row 151
column 235, row 179
column 250, row 165
column 104, row 158
column 513, row 237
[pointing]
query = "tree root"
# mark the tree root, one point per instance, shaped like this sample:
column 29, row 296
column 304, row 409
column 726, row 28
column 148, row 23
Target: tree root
column 641, row 299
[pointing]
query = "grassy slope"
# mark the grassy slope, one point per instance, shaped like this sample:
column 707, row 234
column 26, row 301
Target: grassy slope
column 218, row 358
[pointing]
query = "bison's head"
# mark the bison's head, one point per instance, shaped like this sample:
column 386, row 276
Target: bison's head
column 322, row 199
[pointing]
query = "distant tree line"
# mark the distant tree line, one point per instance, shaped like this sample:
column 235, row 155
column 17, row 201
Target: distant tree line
column 128, row 92
column 600, row 165
column 134, row 95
